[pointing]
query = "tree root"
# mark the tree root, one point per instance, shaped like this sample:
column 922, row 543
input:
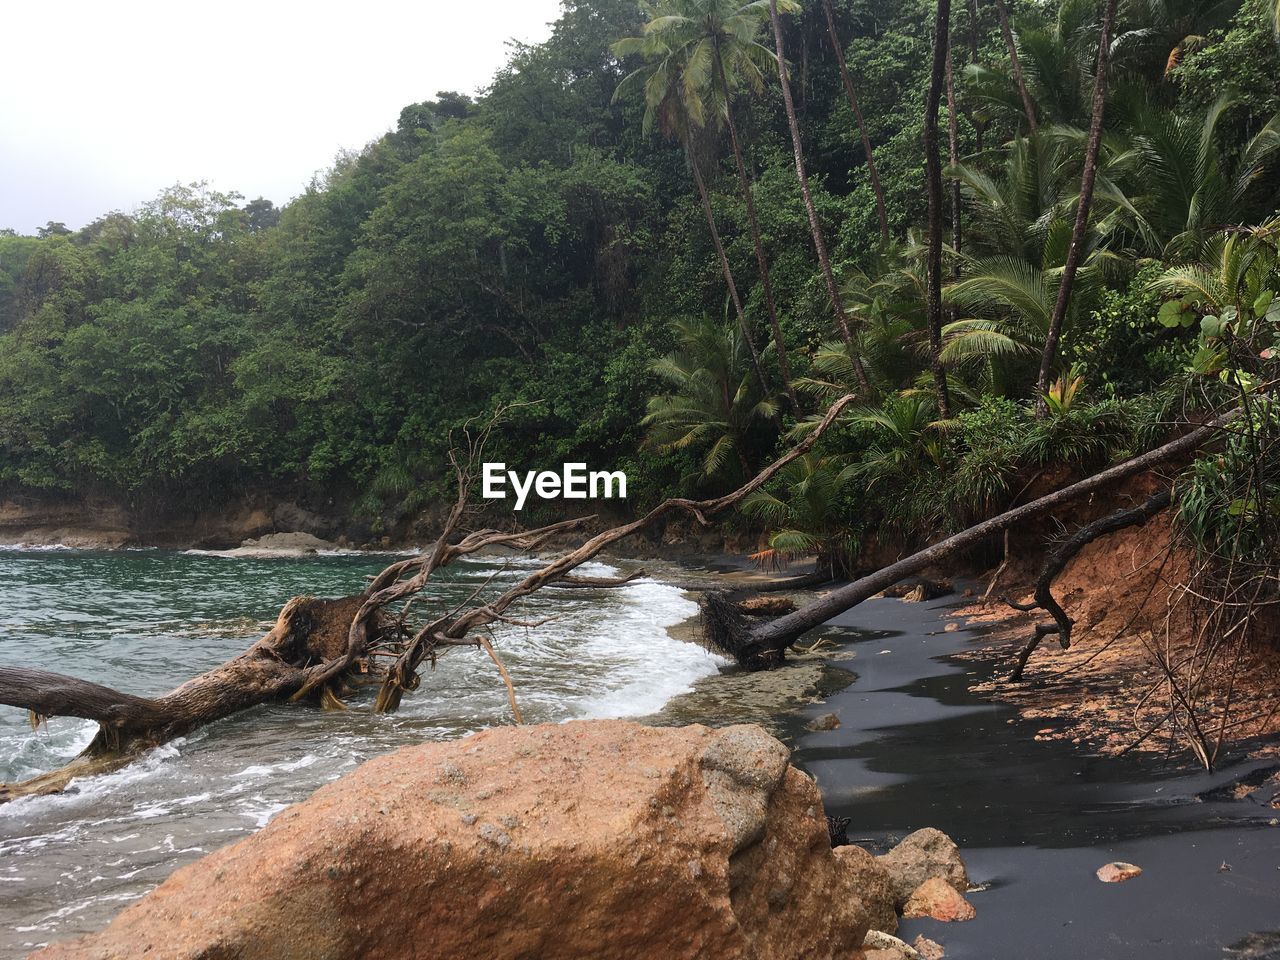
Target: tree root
column 1056, row 562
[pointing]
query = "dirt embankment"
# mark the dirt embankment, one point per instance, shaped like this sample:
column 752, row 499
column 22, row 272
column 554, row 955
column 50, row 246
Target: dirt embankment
column 1145, row 667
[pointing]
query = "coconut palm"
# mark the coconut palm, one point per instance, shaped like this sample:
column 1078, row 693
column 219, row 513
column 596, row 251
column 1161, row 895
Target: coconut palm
column 712, row 403
column 850, row 92
column 1020, row 82
column 672, row 83
column 1079, row 232
column 1007, row 305
column 815, row 227
column 1235, row 277
column 716, row 40
column 1175, row 187
column 933, row 184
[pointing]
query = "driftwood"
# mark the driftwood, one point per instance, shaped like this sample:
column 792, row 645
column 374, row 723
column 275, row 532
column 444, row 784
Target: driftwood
column 1056, row 561
column 317, row 646
column 763, row 646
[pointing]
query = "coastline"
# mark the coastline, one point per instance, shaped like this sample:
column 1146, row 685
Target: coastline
column 892, row 717
column 918, row 741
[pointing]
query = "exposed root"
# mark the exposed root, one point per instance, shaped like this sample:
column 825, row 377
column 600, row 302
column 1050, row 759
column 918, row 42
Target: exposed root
column 1056, row 562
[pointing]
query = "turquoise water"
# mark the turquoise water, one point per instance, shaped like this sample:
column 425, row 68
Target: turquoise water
column 144, row 621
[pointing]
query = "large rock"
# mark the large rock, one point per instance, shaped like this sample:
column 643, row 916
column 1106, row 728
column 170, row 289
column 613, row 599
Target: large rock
column 587, row 839
column 921, row 855
column 874, row 884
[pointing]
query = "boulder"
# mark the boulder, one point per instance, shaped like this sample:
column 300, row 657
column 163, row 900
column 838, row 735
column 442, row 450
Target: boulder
column 584, row 839
column 937, row 899
column 921, row 855
column 874, row 885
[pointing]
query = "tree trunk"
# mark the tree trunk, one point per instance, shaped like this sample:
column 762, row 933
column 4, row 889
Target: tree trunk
column 876, row 186
column 728, row 273
column 933, row 177
column 978, row 127
column 953, row 153
column 815, row 227
column 763, row 646
column 1027, row 106
column 1087, row 179
column 766, row 284
column 317, row 645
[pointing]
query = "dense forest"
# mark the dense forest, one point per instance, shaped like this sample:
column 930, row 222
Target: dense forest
column 1024, row 234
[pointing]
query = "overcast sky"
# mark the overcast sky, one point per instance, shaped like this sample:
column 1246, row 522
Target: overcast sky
column 105, row 104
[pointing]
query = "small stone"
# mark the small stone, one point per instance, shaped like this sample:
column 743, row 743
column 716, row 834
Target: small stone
column 939, row 900
column 882, row 946
column 951, row 627
column 1118, row 872
column 828, row 721
column 928, row 949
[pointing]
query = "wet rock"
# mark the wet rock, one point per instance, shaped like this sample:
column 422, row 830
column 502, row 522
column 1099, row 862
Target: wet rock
column 939, row 900
column 928, row 949
column 921, row 855
column 1118, row 872
column 917, row 591
column 828, row 721
column 592, row 838
column 882, row 946
column 873, row 881
column 1256, row 946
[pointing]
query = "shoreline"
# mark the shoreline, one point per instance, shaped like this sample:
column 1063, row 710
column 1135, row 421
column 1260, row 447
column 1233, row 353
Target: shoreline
column 892, row 719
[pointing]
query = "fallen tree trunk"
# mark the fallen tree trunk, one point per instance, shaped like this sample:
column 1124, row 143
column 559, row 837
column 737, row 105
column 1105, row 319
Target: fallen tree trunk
column 317, row 645
column 763, row 646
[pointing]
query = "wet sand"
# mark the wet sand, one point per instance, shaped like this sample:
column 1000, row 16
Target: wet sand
column 917, row 746
column 1035, row 819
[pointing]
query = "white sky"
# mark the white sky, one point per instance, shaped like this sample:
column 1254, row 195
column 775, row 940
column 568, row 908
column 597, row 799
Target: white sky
column 106, row 104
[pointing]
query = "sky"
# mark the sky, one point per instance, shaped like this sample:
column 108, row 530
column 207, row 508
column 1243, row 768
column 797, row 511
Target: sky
column 106, row 104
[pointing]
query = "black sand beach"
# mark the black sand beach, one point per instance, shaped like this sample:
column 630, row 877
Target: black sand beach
column 1035, row 819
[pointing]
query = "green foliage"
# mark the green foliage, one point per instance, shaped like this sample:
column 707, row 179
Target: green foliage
column 534, row 246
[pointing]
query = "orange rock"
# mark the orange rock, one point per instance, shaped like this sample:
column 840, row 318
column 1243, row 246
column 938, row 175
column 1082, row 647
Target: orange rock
column 938, row 899
column 1118, row 872
column 585, row 839
column 874, row 886
column 923, row 854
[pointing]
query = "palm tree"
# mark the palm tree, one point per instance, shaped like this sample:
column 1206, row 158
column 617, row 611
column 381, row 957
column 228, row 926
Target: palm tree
column 815, row 227
column 1005, row 30
column 712, row 403
column 1161, row 32
column 852, row 94
column 1174, row 187
column 1233, row 276
column 1087, row 179
column 716, row 42
column 807, row 516
column 674, row 99
column 1009, row 304
column 933, row 183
